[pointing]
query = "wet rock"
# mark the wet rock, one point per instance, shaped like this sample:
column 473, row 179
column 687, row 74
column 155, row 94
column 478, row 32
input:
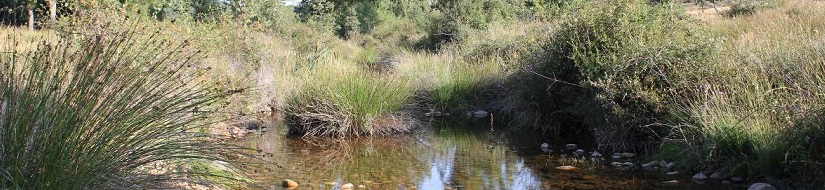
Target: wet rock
column 347, row 186
column 362, row 186
column 289, row 184
column 719, row 175
column 670, row 165
column 480, row 114
column 737, row 179
column 545, row 147
column 571, row 146
column 700, row 177
column 567, row 168
column 672, row 173
column 579, row 152
column 726, row 182
column 761, row 186
column 671, row 182
column 650, row 166
column 596, row 154
column 628, row 155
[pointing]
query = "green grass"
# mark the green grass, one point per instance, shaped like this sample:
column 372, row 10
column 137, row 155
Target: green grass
column 351, row 103
column 91, row 111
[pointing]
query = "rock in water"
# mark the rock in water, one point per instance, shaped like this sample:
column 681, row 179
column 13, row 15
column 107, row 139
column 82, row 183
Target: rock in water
column 289, row 184
column 650, row 166
column 347, row 186
column 596, row 154
column 567, row 168
column 761, row 186
column 700, row 177
column 480, row 114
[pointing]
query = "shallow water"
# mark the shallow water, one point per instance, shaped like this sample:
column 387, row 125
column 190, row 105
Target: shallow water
column 439, row 157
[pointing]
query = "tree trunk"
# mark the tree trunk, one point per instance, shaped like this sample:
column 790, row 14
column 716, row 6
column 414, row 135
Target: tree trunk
column 31, row 18
column 53, row 10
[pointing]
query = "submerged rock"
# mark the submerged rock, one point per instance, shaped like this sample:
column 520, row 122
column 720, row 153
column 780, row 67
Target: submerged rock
column 571, row 146
column 567, row 168
column 719, row 175
column 596, row 154
column 761, row 186
column 700, row 177
column 289, row 184
column 650, row 166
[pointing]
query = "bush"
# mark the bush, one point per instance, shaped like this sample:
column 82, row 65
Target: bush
column 610, row 68
column 91, row 112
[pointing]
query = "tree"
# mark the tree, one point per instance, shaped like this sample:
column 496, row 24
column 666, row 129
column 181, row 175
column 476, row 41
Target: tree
column 53, row 10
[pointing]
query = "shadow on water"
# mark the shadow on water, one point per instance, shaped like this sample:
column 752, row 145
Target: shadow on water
column 446, row 155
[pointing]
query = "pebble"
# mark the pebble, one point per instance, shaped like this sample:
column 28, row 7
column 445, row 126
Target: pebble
column 628, row 155
column 567, row 168
column 671, row 182
column 670, row 165
column 596, row 154
column 761, row 186
column 289, row 184
column 650, row 166
column 571, row 146
column 579, row 152
column 700, row 177
column 718, row 175
column 347, row 186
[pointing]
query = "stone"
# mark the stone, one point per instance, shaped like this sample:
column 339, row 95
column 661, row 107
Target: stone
column 628, row 155
column 596, row 154
column 671, row 182
column 567, row 168
column 719, row 175
column 700, row 177
column 362, row 186
column 650, row 166
column 289, row 184
column 672, row 173
column 480, row 113
column 617, row 164
column 617, row 157
column 628, row 164
column 761, row 186
column 737, row 179
column 347, row 186
column 571, row 146
column 579, row 152
column 670, row 165
column 545, row 148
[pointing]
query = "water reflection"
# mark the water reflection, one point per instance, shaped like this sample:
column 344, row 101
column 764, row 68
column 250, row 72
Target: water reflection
column 434, row 158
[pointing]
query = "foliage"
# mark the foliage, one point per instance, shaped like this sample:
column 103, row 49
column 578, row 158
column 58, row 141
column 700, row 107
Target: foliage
column 98, row 109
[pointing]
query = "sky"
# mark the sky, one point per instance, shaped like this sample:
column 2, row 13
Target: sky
column 291, row 2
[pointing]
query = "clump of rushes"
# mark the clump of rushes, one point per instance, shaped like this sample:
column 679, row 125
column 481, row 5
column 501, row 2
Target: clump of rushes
column 92, row 112
column 355, row 103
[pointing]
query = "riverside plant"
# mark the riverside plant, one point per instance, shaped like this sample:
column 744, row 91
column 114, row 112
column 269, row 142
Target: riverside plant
column 353, row 103
column 95, row 111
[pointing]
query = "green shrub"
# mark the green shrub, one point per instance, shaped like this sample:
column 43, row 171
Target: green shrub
column 89, row 113
column 610, row 67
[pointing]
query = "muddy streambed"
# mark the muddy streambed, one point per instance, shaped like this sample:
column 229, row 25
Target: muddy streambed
column 445, row 156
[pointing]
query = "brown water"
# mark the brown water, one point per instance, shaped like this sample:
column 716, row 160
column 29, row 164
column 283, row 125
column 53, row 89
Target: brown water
column 439, row 157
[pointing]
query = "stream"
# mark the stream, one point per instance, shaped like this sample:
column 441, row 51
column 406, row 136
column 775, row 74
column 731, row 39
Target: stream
column 442, row 156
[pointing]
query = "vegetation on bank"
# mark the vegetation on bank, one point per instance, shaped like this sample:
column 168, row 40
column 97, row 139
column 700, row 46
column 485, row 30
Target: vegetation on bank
column 101, row 111
column 738, row 92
